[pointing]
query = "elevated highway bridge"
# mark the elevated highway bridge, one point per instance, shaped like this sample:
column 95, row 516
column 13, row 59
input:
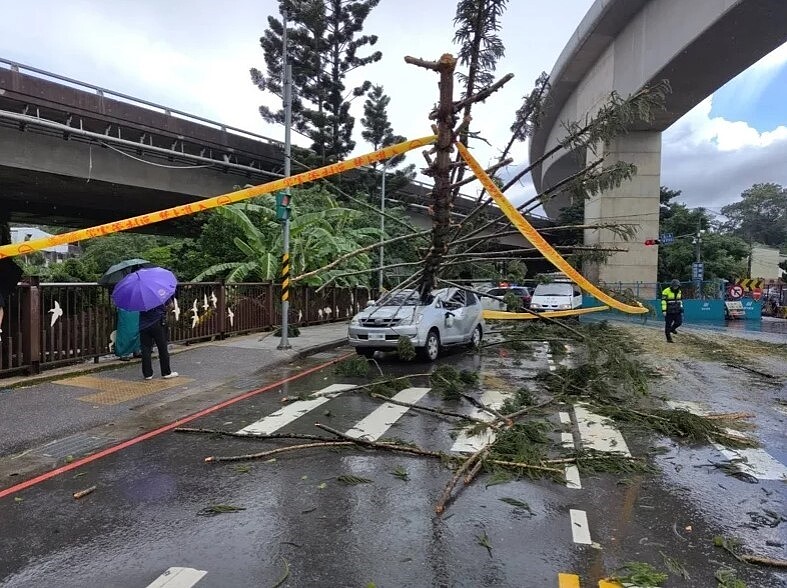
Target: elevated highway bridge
column 74, row 154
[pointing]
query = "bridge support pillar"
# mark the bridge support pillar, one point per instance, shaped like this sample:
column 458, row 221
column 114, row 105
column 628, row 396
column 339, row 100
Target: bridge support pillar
column 634, row 202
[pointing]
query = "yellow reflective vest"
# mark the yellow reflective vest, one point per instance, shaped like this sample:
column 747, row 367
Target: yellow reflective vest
column 671, row 302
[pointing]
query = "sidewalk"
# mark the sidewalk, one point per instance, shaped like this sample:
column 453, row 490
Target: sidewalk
column 72, row 411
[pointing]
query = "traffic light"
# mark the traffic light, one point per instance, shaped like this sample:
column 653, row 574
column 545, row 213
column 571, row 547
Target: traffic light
column 650, row 242
column 282, row 206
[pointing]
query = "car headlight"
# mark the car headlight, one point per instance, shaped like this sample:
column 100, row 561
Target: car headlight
column 418, row 318
column 355, row 321
column 564, row 307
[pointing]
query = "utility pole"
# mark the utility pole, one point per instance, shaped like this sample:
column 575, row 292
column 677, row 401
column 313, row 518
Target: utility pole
column 285, row 258
column 698, row 253
column 382, row 224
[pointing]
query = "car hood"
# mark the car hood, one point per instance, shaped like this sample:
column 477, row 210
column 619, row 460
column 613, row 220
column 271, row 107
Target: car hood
column 385, row 312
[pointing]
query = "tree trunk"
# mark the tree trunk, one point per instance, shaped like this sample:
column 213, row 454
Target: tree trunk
column 440, row 170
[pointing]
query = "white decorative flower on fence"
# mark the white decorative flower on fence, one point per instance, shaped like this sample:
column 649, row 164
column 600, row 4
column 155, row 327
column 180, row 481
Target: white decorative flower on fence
column 205, row 305
column 176, row 309
column 213, row 299
column 231, row 316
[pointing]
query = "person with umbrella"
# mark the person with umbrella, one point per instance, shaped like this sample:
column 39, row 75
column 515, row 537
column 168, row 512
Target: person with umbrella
column 9, row 276
column 147, row 290
column 126, row 343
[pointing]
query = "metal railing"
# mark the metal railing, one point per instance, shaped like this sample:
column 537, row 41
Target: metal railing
column 20, row 67
column 47, row 325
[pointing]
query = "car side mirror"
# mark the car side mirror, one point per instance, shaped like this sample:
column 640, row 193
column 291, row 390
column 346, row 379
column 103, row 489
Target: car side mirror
column 370, row 303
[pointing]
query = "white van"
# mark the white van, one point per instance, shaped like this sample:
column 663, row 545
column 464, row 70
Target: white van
column 556, row 296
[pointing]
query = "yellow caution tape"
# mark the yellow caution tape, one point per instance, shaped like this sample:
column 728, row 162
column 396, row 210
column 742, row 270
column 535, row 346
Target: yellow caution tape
column 501, row 315
column 538, row 241
column 222, row 200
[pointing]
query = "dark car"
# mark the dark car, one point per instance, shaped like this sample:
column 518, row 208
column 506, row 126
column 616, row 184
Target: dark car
column 519, row 291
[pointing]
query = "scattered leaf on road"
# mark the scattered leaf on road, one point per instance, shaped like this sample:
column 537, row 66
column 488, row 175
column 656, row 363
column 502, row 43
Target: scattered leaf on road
column 483, row 541
column 322, row 486
column 17, row 499
column 517, row 504
column 217, row 509
column 401, row 473
column 80, row 474
column 243, row 469
column 353, row 480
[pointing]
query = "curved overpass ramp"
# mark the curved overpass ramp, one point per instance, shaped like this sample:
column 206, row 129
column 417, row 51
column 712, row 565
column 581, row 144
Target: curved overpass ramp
column 623, row 45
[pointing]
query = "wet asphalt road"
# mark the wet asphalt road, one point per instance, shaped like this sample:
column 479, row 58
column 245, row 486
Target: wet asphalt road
column 144, row 516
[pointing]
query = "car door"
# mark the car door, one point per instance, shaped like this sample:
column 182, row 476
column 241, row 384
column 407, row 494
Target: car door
column 455, row 305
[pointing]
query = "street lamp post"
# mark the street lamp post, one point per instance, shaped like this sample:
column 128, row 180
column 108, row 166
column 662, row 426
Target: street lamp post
column 382, row 223
column 285, row 272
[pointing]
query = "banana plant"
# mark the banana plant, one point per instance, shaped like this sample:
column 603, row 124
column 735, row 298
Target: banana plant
column 316, row 238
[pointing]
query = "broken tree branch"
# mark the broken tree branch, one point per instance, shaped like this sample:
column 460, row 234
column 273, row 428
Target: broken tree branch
column 465, row 417
column 485, row 93
column 449, row 487
column 272, row 452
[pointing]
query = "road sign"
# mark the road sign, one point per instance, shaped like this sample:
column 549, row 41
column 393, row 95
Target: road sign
column 736, row 292
column 667, row 238
column 756, row 293
column 697, row 271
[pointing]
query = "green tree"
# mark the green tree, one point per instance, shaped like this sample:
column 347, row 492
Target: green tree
column 325, row 43
column 480, row 47
column 377, row 129
column 760, row 216
column 723, row 254
column 320, row 231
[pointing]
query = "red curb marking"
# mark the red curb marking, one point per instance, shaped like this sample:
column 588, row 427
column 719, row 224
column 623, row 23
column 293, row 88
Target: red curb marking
column 145, row 436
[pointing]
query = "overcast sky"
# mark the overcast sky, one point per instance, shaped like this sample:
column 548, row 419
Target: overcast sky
column 195, row 55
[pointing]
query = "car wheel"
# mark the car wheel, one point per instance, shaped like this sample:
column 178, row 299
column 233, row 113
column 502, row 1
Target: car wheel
column 365, row 351
column 475, row 340
column 431, row 349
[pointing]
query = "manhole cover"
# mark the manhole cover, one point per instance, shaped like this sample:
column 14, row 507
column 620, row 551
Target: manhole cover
column 74, row 445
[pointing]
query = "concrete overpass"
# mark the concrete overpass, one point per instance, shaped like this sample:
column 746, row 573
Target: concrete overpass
column 623, row 45
column 74, row 154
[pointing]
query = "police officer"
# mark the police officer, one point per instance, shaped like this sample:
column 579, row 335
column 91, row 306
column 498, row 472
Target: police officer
column 672, row 309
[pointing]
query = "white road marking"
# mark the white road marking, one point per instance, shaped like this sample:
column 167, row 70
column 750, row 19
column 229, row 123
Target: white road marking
column 382, row 418
column 567, row 440
column 471, row 443
column 178, row 578
column 580, row 530
column 284, row 416
column 572, row 478
column 597, row 434
column 755, row 462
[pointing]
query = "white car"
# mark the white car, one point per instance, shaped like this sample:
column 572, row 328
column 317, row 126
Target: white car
column 450, row 316
column 556, row 296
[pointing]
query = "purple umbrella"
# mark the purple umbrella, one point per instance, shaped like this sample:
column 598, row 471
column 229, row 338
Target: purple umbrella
column 145, row 289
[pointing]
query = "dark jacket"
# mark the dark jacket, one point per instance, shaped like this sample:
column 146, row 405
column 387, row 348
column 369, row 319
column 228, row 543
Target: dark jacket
column 148, row 318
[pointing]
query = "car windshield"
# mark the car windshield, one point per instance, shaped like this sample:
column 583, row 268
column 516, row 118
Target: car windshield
column 401, row 298
column 553, row 290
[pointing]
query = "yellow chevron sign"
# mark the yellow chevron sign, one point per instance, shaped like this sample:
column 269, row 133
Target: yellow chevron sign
column 750, row 283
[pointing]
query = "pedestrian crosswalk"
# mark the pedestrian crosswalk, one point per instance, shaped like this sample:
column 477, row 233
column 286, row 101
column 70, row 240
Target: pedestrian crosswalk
column 291, row 412
column 470, row 443
column 385, row 416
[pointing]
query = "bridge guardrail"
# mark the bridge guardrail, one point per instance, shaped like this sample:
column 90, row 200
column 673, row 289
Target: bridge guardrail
column 20, row 67
column 47, row 325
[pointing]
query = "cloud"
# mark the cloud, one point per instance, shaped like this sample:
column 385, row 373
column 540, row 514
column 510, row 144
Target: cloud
column 712, row 160
column 746, row 89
